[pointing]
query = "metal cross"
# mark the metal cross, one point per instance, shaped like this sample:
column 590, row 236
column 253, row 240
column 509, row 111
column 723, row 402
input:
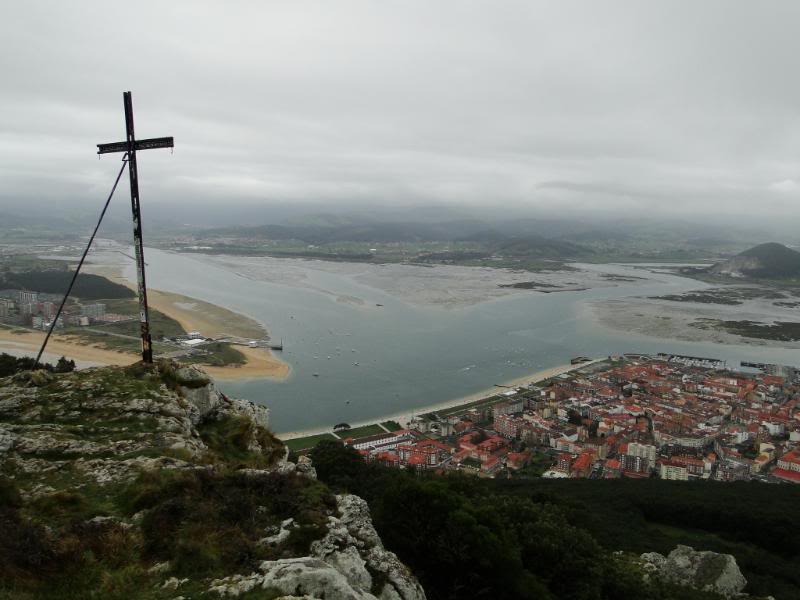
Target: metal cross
column 130, row 146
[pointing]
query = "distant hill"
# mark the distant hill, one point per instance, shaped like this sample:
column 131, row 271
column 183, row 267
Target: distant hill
column 354, row 232
column 538, row 246
column 496, row 241
column 765, row 261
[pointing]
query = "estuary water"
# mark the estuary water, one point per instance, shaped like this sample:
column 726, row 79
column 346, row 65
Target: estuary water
column 409, row 354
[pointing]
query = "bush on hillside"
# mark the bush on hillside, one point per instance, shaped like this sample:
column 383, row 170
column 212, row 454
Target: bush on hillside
column 466, row 537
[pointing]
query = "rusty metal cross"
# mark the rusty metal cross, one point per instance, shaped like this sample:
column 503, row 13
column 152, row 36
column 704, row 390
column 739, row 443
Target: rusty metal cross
column 130, row 146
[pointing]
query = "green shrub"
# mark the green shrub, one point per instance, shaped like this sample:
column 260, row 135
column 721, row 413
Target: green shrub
column 468, row 537
column 229, row 440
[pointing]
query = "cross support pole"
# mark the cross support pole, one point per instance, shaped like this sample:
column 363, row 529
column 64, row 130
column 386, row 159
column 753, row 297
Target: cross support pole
column 130, row 146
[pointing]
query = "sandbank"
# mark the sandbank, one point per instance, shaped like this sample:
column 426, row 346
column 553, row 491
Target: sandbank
column 213, row 321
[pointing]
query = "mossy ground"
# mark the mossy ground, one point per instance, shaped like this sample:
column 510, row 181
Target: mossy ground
column 206, row 524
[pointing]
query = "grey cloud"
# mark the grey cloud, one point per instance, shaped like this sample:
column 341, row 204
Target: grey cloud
column 617, row 105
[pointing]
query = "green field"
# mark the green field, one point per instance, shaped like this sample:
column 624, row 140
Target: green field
column 359, row 432
column 305, row 443
column 220, row 354
column 392, row 425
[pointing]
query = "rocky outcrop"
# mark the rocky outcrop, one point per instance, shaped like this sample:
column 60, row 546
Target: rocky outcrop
column 702, row 570
column 201, row 393
column 349, row 563
column 80, row 440
column 107, row 424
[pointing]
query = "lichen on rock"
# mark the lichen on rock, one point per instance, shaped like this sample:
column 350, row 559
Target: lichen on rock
column 703, row 570
column 340, row 565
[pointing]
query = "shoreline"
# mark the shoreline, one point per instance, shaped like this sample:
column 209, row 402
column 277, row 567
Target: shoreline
column 213, row 321
column 191, row 313
column 30, row 341
column 404, row 416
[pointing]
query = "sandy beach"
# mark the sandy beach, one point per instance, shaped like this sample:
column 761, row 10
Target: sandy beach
column 30, row 342
column 215, row 321
column 404, row 417
column 209, row 319
column 261, row 363
column 193, row 315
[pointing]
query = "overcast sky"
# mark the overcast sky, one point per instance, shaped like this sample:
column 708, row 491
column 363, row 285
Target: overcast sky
column 682, row 106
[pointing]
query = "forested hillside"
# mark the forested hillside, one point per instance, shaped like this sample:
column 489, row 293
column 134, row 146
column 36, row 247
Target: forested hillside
column 475, row 538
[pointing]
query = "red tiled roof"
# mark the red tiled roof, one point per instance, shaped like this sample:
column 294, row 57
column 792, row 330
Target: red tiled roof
column 793, row 456
column 793, row 476
column 490, row 462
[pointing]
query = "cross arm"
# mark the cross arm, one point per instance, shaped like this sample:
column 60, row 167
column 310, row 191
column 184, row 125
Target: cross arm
column 163, row 142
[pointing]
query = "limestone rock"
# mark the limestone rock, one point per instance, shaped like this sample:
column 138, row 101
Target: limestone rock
column 199, row 393
column 340, row 566
column 306, row 468
column 703, row 570
column 244, row 408
column 279, row 534
column 106, row 470
column 159, row 568
column 36, row 378
column 305, row 576
column 7, row 439
column 173, row 583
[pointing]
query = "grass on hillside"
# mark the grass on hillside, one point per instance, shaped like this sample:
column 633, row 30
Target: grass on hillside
column 219, row 354
column 205, row 524
column 576, row 536
column 228, row 441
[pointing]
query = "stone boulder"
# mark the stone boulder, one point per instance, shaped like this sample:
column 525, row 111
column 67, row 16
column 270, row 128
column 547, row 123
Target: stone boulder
column 7, row 439
column 36, row 378
column 208, row 403
column 341, row 566
column 702, row 570
column 305, row 467
column 305, row 576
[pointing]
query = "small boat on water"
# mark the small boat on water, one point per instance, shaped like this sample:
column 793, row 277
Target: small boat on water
column 355, row 364
column 315, row 374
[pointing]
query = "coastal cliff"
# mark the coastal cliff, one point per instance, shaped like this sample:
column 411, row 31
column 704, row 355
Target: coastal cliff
column 147, row 482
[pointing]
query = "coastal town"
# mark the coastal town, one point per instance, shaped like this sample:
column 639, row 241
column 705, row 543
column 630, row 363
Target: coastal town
column 633, row 416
